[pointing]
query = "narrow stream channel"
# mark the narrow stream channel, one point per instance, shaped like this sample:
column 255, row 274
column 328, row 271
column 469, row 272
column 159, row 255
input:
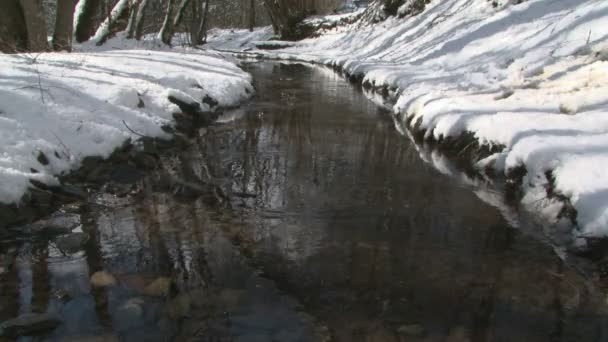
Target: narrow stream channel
column 335, row 230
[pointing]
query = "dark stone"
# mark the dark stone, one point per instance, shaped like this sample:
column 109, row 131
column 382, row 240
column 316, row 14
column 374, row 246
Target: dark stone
column 72, row 243
column 144, row 161
column 38, row 184
column 42, row 159
column 57, row 224
column 72, row 191
column 125, row 174
column 189, row 190
column 192, row 115
column 190, row 108
column 97, row 175
column 244, row 195
column 167, row 129
column 211, row 102
column 414, row 330
column 8, row 216
column 91, row 162
column 29, row 325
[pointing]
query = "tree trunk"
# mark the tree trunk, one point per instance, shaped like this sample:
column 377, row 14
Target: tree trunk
column 62, row 37
column 195, row 17
column 139, row 20
column 202, row 30
column 107, row 27
column 252, row 15
column 271, row 14
column 13, row 32
column 132, row 18
column 35, row 24
column 180, row 13
column 84, row 25
column 285, row 16
column 166, row 32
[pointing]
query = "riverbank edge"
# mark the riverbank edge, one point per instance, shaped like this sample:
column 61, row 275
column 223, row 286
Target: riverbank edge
column 466, row 150
column 140, row 155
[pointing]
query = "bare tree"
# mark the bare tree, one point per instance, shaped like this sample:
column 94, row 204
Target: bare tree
column 195, row 17
column 287, row 15
column 139, row 19
column 132, row 18
column 108, row 26
column 251, row 15
column 13, row 32
column 202, row 30
column 35, row 25
column 84, row 23
column 62, row 37
column 166, row 32
column 180, row 13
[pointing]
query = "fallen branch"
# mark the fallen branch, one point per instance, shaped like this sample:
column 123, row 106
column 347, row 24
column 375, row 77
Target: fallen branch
column 40, row 85
column 132, row 131
column 66, row 151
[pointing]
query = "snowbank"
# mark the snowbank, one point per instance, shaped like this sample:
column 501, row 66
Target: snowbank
column 237, row 39
column 529, row 77
column 57, row 108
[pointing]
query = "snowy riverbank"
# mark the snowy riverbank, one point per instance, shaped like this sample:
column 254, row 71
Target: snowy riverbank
column 58, row 108
column 529, row 80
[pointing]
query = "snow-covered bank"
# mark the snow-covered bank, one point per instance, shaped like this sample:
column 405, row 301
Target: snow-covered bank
column 58, row 108
column 237, row 39
column 530, row 78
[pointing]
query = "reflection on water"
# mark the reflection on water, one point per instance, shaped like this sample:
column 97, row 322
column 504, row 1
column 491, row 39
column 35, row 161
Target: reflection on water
column 335, row 229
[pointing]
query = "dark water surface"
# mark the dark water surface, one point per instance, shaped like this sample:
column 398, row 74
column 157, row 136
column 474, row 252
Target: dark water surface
column 334, row 230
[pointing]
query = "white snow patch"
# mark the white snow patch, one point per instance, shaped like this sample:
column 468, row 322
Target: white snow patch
column 68, row 106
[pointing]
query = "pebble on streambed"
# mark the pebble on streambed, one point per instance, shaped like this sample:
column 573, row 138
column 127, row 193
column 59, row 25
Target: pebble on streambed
column 102, row 279
column 28, row 325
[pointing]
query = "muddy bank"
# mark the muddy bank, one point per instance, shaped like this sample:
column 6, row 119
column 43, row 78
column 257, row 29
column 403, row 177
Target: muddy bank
column 126, row 164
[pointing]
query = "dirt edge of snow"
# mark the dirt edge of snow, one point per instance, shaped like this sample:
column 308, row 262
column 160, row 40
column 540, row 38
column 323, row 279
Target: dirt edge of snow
column 132, row 159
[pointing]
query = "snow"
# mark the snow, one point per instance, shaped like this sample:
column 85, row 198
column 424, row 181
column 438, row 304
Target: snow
column 237, row 39
column 73, row 105
column 532, row 77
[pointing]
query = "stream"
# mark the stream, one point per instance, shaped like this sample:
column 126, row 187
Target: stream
column 302, row 216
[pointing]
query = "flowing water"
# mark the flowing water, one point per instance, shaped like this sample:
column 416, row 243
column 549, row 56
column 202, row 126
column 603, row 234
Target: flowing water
column 333, row 229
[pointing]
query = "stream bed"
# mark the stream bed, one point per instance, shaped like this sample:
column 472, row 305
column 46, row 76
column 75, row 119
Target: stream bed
column 302, row 216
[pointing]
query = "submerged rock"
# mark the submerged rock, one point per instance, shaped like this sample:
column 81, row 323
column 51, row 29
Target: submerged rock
column 179, row 306
column 102, row 279
column 125, row 174
column 72, row 243
column 28, row 325
column 100, row 338
column 130, row 314
column 158, row 288
column 7, row 260
column 58, row 224
column 414, row 330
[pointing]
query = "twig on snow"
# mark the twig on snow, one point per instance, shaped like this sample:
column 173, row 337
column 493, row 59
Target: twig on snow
column 132, row 131
column 40, row 84
column 66, row 151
